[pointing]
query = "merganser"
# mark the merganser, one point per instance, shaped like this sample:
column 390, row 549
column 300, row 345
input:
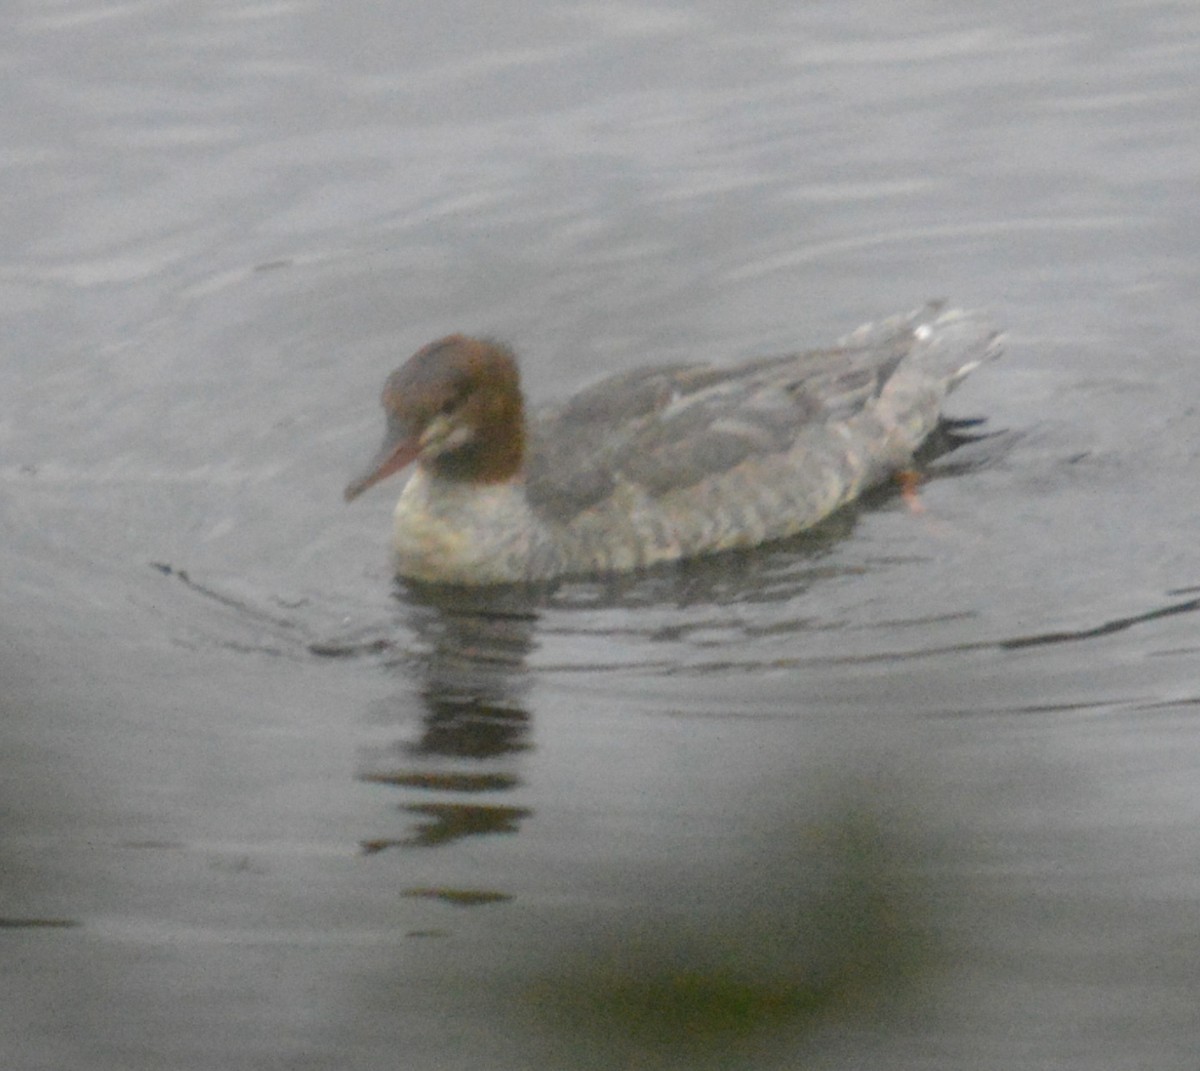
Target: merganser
column 656, row 464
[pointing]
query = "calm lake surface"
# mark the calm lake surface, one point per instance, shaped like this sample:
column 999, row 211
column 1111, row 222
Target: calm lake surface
column 917, row 790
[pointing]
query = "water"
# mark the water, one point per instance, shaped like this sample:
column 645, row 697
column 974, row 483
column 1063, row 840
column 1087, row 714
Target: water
column 915, row 790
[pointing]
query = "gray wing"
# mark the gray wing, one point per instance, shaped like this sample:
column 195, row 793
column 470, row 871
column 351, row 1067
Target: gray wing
column 670, row 428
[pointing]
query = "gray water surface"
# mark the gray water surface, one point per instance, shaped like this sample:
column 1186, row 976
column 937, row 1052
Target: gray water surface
column 916, row 790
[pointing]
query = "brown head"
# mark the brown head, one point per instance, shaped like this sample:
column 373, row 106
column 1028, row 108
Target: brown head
column 455, row 408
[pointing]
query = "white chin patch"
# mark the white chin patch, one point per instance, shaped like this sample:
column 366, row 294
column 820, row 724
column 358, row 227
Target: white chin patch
column 451, row 440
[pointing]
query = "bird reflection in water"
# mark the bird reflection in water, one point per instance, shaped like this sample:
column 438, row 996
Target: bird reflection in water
column 470, row 655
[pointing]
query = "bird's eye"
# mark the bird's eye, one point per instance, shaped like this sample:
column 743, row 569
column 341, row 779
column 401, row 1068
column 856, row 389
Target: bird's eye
column 448, row 406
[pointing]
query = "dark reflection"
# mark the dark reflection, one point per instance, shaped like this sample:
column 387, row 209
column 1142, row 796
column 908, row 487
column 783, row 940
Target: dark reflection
column 444, row 782
column 472, row 663
column 446, row 822
column 469, row 658
column 458, row 897
column 469, row 727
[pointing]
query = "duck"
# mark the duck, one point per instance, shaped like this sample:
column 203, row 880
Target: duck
column 658, row 464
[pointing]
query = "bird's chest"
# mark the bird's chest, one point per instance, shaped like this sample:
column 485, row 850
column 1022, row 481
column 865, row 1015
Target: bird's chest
column 446, row 532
